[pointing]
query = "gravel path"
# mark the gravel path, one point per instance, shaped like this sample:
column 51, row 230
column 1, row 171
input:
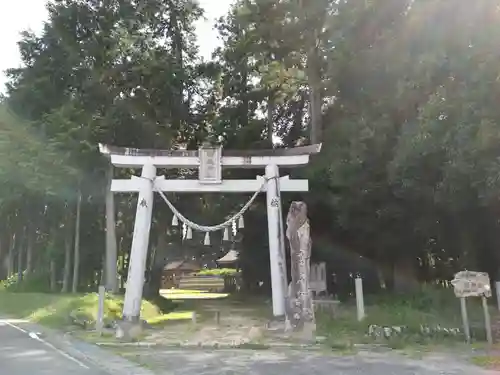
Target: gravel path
column 270, row 362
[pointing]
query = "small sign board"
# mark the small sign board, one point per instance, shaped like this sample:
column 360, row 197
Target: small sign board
column 210, row 171
column 471, row 284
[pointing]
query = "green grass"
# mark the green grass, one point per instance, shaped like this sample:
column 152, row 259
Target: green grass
column 173, row 316
column 218, row 272
column 487, row 361
column 183, row 294
column 53, row 310
column 95, row 337
column 427, row 308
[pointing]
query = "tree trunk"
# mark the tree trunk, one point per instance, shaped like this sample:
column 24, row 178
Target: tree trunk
column 111, row 250
column 121, row 278
column 67, row 258
column 10, row 261
column 20, row 250
column 53, row 276
column 381, row 278
column 76, row 257
column 103, row 273
column 315, row 96
column 175, row 33
column 3, row 258
column 29, row 250
column 405, row 276
column 155, row 265
column 270, row 119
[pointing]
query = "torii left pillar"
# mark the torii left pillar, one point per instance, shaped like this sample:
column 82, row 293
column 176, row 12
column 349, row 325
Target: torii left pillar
column 140, row 242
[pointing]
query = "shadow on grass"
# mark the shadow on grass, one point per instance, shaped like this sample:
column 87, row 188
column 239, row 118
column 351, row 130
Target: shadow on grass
column 55, row 310
column 23, row 305
column 164, row 305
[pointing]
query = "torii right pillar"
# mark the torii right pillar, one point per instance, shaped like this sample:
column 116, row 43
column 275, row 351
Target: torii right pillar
column 276, row 242
column 293, row 157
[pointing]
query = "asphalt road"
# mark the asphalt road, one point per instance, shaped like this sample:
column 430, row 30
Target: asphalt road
column 22, row 353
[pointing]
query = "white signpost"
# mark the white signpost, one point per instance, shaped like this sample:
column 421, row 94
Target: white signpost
column 473, row 284
column 209, row 161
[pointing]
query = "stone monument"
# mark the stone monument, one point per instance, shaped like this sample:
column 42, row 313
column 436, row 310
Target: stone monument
column 300, row 312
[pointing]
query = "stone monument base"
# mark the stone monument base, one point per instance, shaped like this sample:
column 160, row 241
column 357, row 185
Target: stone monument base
column 129, row 330
column 307, row 333
column 276, row 323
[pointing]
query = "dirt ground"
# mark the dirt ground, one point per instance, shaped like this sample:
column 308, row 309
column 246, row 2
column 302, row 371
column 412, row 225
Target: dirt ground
column 231, row 337
column 218, row 323
column 294, row 362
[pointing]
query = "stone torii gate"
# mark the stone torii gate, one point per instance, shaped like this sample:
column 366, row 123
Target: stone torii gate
column 209, row 161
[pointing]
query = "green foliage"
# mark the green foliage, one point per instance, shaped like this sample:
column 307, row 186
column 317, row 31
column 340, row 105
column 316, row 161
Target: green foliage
column 10, row 282
column 426, row 299
column 218, row 272
column 117, row 82
column 407, row 162
column 34, row 283
column 403, row 91
column 30, row 163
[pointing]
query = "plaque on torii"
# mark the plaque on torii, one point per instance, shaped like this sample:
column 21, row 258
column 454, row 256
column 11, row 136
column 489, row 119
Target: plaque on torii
column 210, row 169
column 209, row 160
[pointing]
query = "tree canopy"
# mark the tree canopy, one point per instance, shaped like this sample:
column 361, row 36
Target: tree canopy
column 403, row 94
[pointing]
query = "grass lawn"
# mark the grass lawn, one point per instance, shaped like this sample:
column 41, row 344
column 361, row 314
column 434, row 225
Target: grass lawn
column 342, row 331
column 431, row 310
column 53, row 310
column 489, row 360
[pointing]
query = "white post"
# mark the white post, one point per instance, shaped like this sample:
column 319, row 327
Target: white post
column 277, row 258
column 465, row 319
column 360, row 302
column 487, row 321
column 497, row 288
column 100, row 309
column 140, row 241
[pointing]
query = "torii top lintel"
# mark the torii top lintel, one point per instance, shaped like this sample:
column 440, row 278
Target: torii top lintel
column 135, row 158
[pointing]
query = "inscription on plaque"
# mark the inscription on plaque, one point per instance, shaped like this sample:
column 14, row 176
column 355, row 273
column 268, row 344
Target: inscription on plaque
column 210, row 171
column 471, row 284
